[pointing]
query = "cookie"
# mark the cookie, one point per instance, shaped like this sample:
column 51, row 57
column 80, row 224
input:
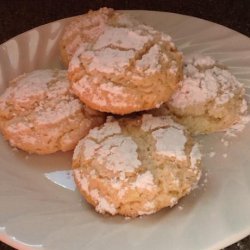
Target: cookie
column 88, row 27
column 38, row 114
column 136, row 166
column 126, row 70
column 210, row 98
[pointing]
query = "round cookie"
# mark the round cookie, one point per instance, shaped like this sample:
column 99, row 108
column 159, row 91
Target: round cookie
column 210, row 98
column 136, row 166
column 126, row 70
column 88, row 27
column 38, row 114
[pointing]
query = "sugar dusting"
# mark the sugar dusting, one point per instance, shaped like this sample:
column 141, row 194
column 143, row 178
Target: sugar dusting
column 170, row 142
column 211, row 154
column 149, row 122
column 144, row 181
column 149, row 63
column 102, row 204
column 109, row 60
column 108, row 129
column 123, row 55
column 195, row 156
column 117, row 47
column 122, row 37
column 203, row 183
column 238, row 127
column 84, row 28
column 89, row 148
column 205, row 81
column 42, row 97
column 119, row 154
column 114, row 151
column 224, row 142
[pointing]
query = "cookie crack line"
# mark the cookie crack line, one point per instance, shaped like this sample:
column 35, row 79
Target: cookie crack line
column 114, row 47
column 97, row 141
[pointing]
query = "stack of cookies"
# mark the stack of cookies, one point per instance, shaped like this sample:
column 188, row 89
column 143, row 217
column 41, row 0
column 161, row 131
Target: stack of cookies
column 128, row 105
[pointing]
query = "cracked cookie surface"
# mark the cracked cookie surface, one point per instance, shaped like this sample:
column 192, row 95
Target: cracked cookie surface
column 136, row 166
column 126, row 70
column 38, row 114
column 88, row 27
column 210, row 98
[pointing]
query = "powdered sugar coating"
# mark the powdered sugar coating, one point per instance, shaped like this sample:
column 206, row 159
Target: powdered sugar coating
column 89, row 149
column 136, row 171
column 118, row 154
column 124, row 38
column 108, row 60
column 110, row 149
column 84, row 181
column 40, row 115
column 102, row 204
column 60, row 112
column 88, row 27
column 205, row 81
column 112, row 88
column 195, row 156
column 202, row 61
column 209, row 95
column 149, row 63
column 170, row 142
column 239, row 126
column 108, row 129
column 117, row 46
column 144, row 181
column 244, row 107
column 142, row 67
column 50, row 100
column 149, row 122
column 25, row 91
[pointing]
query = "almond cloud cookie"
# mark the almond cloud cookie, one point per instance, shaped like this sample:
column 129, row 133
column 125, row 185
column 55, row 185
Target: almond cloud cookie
column 210, row 98
column 88, row 27
column 136, row 166
column 126, row 70
column 38, row 114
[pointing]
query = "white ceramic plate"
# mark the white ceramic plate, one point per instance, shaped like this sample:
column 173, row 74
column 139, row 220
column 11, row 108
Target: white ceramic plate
column 36, row 213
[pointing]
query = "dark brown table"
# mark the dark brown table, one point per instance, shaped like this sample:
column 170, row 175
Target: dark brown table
column 17, row 16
